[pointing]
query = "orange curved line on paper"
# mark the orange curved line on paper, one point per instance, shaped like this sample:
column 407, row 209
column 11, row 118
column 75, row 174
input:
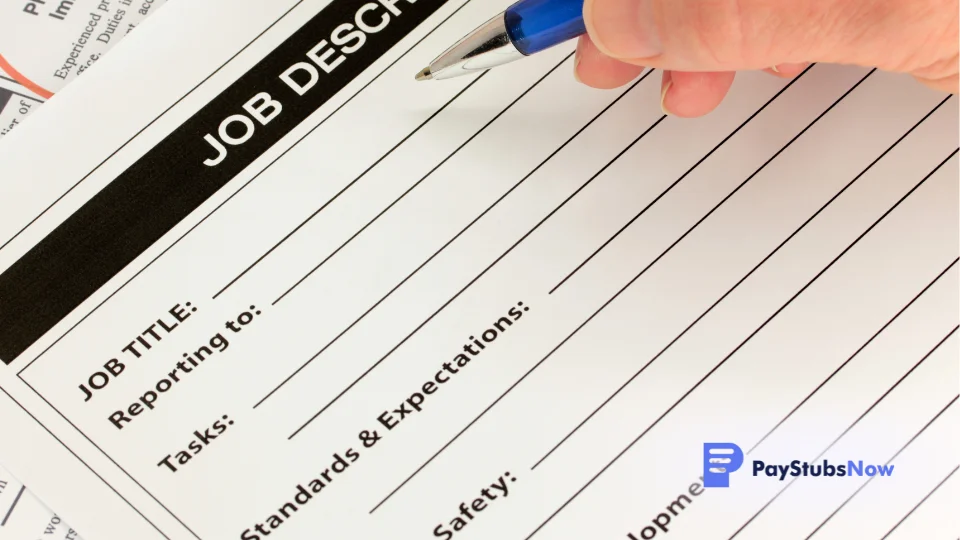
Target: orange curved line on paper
column 27, row 83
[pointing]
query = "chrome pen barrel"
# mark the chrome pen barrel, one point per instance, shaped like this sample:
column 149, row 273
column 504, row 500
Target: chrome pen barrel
column 486, row 47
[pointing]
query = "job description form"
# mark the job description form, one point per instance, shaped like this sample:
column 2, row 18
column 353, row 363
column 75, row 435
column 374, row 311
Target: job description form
column 270, row 287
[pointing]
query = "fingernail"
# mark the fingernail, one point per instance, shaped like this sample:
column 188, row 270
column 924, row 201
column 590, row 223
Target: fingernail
column 625, row 28
column 576, row 65
column 774, row 69
column 667, row 83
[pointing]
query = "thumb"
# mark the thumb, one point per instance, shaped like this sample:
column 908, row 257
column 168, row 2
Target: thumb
column 917, row 36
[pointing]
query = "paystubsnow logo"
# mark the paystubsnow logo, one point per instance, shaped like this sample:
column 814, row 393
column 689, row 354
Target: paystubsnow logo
column 719, row 460
column 722, row 459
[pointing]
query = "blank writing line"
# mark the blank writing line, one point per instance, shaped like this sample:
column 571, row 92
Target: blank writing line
column 678, row 180
column 667, row 250
column 845, row 431
column 891, row 389
column 923, row 500
column 735, row 286
column 481, row 274
column 852, row 356
column 904, row 447
column 449, row 242
column 565, row 340
column 364, row 173
column 732, row 353
column 417, row 184
column 457, row 436
column 441, row 308
column 343, row 190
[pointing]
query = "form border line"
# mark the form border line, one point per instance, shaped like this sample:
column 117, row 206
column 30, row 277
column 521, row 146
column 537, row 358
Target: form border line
column 230, row 197
column 91, row 469
column 117, row 465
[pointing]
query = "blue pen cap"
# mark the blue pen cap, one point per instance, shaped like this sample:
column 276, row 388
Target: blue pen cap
column 535, row 25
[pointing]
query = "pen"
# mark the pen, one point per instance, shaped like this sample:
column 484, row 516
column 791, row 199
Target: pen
column 524, row 28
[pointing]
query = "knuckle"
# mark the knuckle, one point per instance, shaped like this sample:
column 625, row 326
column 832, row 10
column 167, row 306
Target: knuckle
column 935, row 52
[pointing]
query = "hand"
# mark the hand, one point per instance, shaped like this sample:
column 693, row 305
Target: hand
column 700, row 44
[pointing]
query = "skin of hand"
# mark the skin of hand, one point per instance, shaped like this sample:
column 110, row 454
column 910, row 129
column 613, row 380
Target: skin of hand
column 700, row 44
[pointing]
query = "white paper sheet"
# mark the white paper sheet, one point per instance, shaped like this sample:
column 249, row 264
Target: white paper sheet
column 780, row 275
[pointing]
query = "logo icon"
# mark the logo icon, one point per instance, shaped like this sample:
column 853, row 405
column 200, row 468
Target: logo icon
column 719, row 460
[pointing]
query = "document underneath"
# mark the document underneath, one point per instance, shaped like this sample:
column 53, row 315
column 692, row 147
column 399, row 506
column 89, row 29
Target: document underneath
column 45, row 45
column 16, row 103
column 280, row 290
column 22, row 515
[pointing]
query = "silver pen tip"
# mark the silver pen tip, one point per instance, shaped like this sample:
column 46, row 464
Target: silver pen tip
column 424, row 74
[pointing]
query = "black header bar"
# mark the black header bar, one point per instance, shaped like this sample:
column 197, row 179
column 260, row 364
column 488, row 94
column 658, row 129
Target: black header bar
column 195, row 161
